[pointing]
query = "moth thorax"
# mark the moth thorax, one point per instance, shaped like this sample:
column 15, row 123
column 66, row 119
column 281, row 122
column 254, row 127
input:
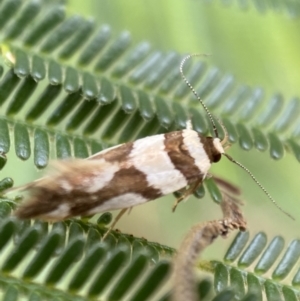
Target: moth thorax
column 214, row 149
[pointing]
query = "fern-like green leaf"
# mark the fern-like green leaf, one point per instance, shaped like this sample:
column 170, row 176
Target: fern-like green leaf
column 69, row 87
column 245, row 268
column 135, row 85
column 292, row 9
column 68, row 260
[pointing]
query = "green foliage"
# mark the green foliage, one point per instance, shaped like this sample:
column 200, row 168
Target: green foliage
column 245, row 268
column 69, row 87
column 285, row 6
column 68, row 261
column 99, row 84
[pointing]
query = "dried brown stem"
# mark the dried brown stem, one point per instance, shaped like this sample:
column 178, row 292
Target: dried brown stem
column 199, row 237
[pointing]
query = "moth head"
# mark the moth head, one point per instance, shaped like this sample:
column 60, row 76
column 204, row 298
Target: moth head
column 216, row 149
column 219, row 146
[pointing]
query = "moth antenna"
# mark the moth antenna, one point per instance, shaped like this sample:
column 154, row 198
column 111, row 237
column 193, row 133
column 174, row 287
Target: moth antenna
column 225, row 139
column 195, row 93
column 226, row 136
column 259, row 185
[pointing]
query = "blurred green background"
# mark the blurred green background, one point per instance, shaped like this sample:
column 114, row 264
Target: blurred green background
column 260, row 50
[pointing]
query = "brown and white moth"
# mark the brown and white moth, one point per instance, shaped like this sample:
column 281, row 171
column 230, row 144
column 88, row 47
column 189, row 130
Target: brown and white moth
column 128, row 174
column 123, row 176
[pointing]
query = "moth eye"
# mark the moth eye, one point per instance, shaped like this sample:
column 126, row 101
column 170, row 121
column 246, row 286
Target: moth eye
column 217, row 157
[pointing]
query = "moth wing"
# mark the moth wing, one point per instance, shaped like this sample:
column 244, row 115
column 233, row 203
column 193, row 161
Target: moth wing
column 54, row 194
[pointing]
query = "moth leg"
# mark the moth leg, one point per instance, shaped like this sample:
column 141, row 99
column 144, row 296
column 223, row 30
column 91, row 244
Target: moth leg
column 232, row 212
column 209, row 176
column 117, row 218
column 227, row 186
column 186, row 193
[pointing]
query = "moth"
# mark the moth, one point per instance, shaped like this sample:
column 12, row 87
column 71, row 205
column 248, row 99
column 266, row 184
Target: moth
column 123, row 176
column 129, row 174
